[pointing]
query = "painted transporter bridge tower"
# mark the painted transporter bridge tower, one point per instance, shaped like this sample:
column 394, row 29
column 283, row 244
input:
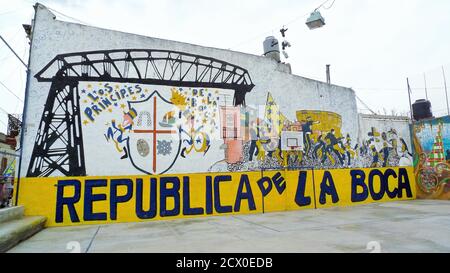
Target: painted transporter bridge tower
column 59, row 140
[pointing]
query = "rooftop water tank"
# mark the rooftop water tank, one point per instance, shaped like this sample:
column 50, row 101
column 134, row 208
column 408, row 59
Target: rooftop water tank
column 422, row 110
column 272, row 48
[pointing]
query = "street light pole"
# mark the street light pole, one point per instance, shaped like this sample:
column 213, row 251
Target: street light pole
column 446, row 94
column 409, row 96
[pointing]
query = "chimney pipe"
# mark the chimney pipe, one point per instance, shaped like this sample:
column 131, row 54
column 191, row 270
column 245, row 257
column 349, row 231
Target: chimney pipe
column 328, row 74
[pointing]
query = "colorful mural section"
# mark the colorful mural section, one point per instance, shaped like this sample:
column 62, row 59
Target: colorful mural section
column 160, row 131
column 153, row 130
column 192, row 118
column 101, row 200
column 432, row 158
column 266, row 140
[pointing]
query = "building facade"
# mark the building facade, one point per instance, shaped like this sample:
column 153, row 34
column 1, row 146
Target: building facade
column 111, row 110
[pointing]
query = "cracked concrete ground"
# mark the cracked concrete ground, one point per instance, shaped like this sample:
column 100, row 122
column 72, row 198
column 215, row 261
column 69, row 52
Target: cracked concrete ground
column 408, row 226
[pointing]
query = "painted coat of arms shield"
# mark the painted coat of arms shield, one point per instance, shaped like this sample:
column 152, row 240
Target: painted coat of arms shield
column 154, row 142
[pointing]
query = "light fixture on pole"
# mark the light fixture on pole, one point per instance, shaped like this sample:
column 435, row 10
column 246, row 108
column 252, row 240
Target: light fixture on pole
column 315, row 20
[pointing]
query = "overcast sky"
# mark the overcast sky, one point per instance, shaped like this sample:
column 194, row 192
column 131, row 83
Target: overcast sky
column 372, row 45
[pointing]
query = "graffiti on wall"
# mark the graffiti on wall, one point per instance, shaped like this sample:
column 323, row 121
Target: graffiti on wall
column 270, row 141
column 100, row 200
column 432, row 158
column 110, row 80
column 152, row 129
column 155, row 112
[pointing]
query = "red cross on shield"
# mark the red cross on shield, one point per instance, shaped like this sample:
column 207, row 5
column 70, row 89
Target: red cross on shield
column 153, row 148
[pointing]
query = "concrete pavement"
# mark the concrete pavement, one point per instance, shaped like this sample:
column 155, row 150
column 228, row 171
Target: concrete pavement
column 408, row 226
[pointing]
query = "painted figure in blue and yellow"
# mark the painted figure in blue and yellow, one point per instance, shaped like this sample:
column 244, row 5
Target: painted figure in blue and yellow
column 334, row 145
column 196, row 139
column 385, row 150
column 375, row 157
column 350, row 153
column 254, row 136
column 320, row 148
column 117, row 132
column 307, row 132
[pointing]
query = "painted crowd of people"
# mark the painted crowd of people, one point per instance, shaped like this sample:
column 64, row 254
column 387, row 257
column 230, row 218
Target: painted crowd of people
column 329, row 149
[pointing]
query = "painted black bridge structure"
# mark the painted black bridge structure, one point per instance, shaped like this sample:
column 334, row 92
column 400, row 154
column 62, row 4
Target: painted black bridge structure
column 59, row 141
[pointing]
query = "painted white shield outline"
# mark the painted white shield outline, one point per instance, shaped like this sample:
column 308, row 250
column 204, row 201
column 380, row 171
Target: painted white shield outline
column 159, row 146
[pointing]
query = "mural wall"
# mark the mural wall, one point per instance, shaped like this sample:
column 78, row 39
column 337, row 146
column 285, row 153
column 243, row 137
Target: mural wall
column 100, row 200
column 393, row 141
column 126, row 109
column 432, row 158
column 152, row 129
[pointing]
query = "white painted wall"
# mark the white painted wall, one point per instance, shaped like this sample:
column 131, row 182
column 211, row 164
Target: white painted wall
column 384, row 124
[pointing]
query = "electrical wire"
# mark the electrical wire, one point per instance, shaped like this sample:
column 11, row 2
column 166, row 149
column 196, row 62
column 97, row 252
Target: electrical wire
column 268, row 32
column 396, row 90
column 9, row 90
column 329, row 7
column 22, row 80
column 363, row 103
column 284, row 25
column 70, row 17
column 60, row 13
column 4, row 111
column 3, row 123
column 12, row 41
column 12, row 11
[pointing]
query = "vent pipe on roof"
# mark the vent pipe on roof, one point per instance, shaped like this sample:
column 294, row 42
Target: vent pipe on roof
column 328, row 74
